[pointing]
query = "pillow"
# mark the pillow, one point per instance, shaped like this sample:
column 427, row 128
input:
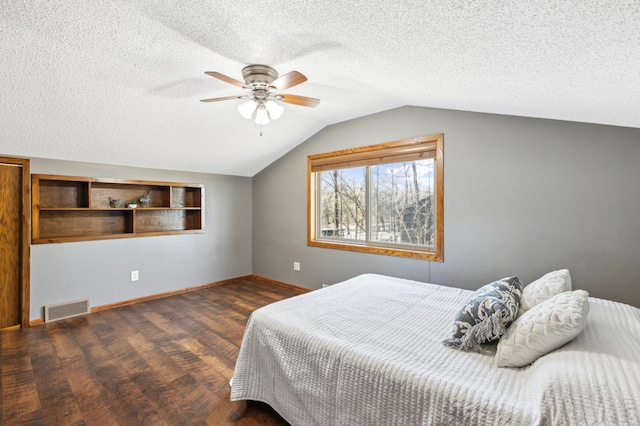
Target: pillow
column 544, row 288
column 543, row 328
column 487, row 315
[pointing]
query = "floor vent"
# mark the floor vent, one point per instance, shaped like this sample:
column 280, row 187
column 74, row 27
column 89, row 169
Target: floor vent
column 64, row 310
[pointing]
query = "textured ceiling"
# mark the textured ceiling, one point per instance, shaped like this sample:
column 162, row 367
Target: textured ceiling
column 119, row 82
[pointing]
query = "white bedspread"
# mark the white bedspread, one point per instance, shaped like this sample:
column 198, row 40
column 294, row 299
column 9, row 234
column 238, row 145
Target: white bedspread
column 368, row 351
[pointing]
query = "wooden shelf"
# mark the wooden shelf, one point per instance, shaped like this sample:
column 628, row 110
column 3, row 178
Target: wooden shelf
column 73, row 208
column 64, row 209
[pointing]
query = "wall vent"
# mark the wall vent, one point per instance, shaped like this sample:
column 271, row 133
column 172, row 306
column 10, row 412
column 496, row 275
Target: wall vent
column 64, row 310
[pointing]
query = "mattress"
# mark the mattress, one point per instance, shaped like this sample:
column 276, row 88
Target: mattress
column 369, row 351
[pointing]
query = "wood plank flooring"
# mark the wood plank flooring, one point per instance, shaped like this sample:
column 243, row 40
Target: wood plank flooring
column 161, row 362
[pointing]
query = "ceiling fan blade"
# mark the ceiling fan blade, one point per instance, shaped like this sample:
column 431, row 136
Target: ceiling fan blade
column 288, row 80
column 299, row 100
column 226, row 98
column 227, row 79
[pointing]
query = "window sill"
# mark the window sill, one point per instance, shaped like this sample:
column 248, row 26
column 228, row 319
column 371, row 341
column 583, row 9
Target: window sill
column 387, row 251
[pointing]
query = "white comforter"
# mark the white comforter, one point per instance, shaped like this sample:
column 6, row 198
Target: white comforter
column 368, row 351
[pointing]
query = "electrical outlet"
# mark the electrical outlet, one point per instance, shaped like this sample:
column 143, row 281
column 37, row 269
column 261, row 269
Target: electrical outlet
column 134, row 276
column 296, row 266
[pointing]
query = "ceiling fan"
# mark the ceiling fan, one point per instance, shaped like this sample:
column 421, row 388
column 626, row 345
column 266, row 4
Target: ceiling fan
column 263, row 102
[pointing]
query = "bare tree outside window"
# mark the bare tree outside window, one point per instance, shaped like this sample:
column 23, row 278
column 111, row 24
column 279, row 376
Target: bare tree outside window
column 403, row 203
column 342, row 203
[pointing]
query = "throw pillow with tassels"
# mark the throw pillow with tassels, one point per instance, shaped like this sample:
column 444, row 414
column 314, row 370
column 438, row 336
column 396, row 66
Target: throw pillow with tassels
column 487, row 315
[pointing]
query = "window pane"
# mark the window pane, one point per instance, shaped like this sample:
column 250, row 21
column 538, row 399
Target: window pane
column 403, row 203
column 342, row 204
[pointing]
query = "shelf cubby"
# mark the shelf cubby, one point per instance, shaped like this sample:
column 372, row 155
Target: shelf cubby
column 167, row 220
column 64, row 193
column 83, row 224
column 186, row 197
column 100, row 193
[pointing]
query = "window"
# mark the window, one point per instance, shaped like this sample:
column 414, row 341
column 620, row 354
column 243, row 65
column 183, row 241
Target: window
column 384, row 199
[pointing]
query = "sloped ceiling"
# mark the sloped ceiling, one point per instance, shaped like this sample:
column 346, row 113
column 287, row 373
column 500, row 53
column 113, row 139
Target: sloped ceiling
column 119, row 82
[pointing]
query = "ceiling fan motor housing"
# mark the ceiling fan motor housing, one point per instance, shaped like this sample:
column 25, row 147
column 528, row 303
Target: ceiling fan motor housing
column 259, row 75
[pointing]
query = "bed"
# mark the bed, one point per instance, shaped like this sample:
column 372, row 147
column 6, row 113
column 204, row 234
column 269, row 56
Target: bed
column 368, row 351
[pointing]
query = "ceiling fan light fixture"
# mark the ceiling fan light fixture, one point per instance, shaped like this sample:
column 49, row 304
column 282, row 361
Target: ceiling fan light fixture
column 247, row 108
column 262, row 115
column 275, row 110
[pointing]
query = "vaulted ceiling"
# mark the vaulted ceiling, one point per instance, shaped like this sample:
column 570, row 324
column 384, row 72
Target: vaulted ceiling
column 119, row 81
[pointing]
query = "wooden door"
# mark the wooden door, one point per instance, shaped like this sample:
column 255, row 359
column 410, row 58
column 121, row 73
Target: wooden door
column 14, row 242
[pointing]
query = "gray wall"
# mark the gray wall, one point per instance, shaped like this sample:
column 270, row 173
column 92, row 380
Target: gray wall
column 101, row 269
column 522, row 197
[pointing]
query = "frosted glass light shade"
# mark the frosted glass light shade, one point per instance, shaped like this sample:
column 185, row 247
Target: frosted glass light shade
column 246, row 109
column 275, row 110
column 262, row 116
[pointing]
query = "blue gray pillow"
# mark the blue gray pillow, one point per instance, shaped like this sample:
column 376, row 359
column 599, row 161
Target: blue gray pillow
column 487, row 315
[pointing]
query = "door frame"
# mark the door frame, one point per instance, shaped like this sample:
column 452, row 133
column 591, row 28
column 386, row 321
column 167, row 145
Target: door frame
column 25, row 238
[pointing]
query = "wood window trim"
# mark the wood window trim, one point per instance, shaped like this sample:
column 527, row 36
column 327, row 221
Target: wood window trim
column 403, row 149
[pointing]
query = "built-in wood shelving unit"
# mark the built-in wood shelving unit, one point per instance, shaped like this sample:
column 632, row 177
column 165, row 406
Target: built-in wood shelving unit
column 73, row 208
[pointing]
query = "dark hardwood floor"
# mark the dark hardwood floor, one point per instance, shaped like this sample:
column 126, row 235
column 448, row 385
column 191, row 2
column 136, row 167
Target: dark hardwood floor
column 161, row 362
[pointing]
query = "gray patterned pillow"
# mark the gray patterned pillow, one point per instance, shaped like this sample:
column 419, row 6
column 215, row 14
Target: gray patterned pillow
column 487, row 315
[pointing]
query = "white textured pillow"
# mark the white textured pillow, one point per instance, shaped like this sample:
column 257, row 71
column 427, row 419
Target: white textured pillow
column 543, row 328
column 544, row 288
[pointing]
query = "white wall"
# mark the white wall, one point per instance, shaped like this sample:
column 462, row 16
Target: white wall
column 522, row 197
column 101, row 269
